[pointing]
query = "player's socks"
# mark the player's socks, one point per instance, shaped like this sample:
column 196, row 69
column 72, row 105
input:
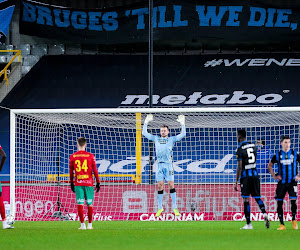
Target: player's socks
column 280, row 212
column 294, row 209
column 294, row 212
column 2, row 212
column 173, row 197
column 160, row 198
column 261, row 205
column 266, row 219
column 263, row 210
column 90, row 214
column 80, row 213
column 2, row 208
column 247, row 211
column 90, row 226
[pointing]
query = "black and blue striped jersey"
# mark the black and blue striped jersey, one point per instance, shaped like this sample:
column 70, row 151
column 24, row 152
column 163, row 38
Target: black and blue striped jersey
column 247, row 152
column 287, row 164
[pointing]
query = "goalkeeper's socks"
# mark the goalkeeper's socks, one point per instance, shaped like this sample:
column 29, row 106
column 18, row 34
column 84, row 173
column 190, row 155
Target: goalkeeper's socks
column 247, row 211
column 294, row 209
column 2, row 209
column 80, row 213
column 160, row 198
column 280, row 211
column 261, row 205
column 173, row 197
column 90, row 213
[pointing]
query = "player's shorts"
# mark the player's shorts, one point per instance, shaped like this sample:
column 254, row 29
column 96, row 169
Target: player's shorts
column 164, row 171
column 282, row 189
column 250, row 186
column 84, row 192
column 0, row 188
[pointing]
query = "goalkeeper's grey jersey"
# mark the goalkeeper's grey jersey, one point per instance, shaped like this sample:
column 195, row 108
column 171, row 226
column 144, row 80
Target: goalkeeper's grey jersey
column 164, row 146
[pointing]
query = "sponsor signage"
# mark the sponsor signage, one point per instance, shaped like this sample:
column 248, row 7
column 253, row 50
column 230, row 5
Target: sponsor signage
column 198, row 98
column 139, row 202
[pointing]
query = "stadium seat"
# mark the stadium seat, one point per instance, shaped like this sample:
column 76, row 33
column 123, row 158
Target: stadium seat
column 2, row 59
column 25, row 49
column 30, row 60
column 89, row 49
column 56, row 49
column 9, row 57
column 25, row 70
column 39, row 50
column 6, row 47
column 74, row 49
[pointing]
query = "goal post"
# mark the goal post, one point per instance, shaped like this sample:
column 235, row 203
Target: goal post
column 12, row 164
column 204, row 161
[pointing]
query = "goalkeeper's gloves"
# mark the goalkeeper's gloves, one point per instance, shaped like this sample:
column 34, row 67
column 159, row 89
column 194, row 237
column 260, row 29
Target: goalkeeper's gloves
column 181, row 120
column 97, row 188
column 73, row 187
column 149, row 118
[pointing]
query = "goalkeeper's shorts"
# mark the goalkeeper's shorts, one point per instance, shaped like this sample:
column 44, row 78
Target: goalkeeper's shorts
column 84, row 193
column 164, row 171
column 0, row 188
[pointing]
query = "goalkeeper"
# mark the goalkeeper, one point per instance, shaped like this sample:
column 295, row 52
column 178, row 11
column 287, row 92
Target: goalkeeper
column 164, row 170
column 83, row 163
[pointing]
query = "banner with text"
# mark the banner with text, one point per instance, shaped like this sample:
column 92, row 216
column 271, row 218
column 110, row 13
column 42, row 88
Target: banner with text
column 217, row 22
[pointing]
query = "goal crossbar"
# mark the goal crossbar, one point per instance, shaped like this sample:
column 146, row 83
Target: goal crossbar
column 159, row 110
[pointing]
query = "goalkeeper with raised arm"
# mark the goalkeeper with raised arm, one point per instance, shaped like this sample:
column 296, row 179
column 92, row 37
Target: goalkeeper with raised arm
column 164, row 149
column 83, row 164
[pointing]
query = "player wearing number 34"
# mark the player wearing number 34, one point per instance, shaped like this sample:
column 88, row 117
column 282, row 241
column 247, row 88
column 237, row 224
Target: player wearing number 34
column 83, row 164
column 164, row 168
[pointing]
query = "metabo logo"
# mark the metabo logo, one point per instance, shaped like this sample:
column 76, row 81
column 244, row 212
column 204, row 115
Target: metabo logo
column 197, row 98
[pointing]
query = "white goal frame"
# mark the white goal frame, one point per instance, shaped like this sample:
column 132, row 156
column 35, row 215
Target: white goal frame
column 14, row 112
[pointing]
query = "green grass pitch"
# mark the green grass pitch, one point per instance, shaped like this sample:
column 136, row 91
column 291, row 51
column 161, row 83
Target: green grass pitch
column 148, row 235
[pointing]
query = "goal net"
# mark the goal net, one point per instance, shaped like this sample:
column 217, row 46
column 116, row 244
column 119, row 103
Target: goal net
column 204, row 161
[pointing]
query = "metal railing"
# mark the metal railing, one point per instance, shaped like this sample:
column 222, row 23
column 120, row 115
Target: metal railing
column 4, row 71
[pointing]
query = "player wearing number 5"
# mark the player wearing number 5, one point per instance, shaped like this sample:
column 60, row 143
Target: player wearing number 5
column 164, row 149
column 83, row 164
column 250, row 184
column 287, row 178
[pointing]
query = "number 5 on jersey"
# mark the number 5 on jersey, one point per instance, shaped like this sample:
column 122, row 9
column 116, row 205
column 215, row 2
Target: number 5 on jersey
column 80, row 166
column 251, row 156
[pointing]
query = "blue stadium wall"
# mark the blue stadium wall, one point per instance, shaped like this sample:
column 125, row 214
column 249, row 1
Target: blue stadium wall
column 98, row 81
